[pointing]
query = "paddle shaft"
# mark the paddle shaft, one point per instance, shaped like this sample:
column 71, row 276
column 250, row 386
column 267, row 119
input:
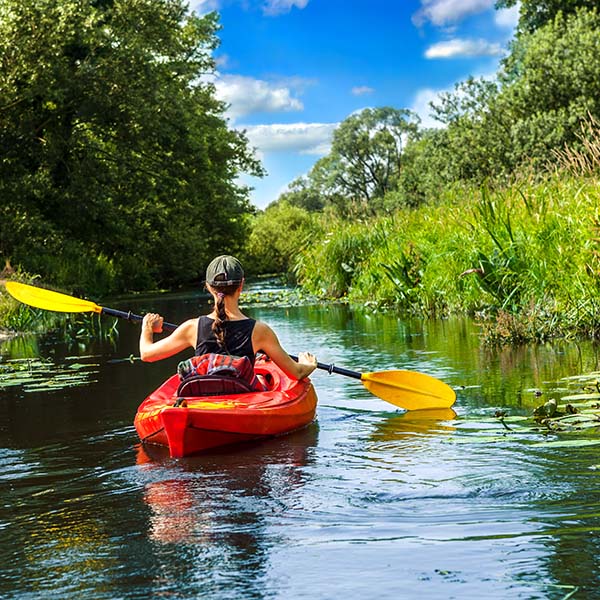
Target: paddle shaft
column 407, row 389
column 129, row 316
column 333, row 369
column 171, row 327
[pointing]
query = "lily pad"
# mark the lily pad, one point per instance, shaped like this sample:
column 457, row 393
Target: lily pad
column 78, row 366
column 567, row 443
column 576, row 397
column 43, row 375
column 514, row 418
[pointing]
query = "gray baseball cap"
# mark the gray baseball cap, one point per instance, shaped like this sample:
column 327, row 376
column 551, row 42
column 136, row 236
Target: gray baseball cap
column 224, row 270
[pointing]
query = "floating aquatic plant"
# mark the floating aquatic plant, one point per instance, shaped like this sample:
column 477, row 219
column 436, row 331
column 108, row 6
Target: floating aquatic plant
column 44, row 375
column 574, row 413
column 279, row 297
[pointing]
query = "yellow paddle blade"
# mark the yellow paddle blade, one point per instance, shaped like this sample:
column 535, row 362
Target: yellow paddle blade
column 409, row 390
column 41, row 298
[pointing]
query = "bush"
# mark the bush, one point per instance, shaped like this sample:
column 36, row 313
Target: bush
column 527, row 256
column 278, row 235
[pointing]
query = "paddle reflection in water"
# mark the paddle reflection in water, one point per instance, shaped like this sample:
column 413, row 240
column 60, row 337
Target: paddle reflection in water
column 219, row 511
column 409, row 424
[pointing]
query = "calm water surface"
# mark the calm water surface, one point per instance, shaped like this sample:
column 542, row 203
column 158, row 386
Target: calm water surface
column 367, row 502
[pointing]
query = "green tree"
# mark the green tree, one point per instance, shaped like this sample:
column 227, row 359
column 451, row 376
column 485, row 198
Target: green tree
column 304, row 194
column 556, row 89
column 534, row 14
column 472, row 145
column 115, row 152
column 278, row 236
column 547, row 87
column 367, row 152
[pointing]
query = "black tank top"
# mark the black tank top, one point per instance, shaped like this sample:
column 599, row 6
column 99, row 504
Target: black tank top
column 238, row 338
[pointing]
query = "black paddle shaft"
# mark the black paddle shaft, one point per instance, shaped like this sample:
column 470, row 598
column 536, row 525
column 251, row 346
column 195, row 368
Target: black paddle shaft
column 333, row 369
column 129, row 316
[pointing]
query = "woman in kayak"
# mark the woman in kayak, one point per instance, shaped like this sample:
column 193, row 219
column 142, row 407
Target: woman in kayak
column 226, row 330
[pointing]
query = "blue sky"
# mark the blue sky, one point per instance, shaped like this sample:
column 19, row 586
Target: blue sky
column 291, row 70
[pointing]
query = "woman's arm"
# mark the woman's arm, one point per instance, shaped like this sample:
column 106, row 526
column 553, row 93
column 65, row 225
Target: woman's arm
column 264, row 338
column 183, row 337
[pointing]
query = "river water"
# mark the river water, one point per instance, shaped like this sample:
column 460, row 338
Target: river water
column 367, row 502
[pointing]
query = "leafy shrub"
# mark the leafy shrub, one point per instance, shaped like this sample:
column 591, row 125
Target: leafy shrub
column 278, row 235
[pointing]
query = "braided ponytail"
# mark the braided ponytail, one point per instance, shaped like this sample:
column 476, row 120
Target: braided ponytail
column 218, row 326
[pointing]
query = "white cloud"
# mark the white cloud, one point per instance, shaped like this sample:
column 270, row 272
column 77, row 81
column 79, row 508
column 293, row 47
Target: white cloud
column 508, row 17
column 446, row 12
column 421, row 105
column 361, row 90
column 223, row 61
column 305, row 138
column 204, row 6
column 271, row 8
column 459, row 47
column 247, row 96
column 278, row 7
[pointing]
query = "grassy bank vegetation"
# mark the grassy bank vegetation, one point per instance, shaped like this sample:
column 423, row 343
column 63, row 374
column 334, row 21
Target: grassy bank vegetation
column 525, row 259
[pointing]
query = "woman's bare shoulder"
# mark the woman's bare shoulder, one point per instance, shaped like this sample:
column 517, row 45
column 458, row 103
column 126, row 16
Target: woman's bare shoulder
column 262, row 329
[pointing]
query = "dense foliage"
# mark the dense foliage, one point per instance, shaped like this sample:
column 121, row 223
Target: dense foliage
column 524, row 260
column 117, row 168
column 267, row 250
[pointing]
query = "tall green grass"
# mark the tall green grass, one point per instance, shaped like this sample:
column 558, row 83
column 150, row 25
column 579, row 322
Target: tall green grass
column 524, row 259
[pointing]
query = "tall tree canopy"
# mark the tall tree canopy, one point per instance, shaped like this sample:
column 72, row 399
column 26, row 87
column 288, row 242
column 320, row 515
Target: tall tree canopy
column 116, row 160
column 546, row 88
column 366, row 162
column 367, row 149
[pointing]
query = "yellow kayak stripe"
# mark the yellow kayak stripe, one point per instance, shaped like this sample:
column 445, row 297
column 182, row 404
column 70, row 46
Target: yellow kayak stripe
column 227, row 404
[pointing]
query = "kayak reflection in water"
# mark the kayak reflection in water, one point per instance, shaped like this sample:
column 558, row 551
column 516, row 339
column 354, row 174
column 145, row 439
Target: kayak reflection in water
column 226, row 330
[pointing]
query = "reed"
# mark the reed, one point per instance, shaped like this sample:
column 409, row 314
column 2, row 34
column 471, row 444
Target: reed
column 581, row 159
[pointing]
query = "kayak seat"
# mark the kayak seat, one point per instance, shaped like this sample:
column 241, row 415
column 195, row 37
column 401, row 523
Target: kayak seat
column 212, row 385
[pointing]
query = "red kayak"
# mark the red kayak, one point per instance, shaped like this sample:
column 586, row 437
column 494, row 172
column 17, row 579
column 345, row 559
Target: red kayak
column 198, row 423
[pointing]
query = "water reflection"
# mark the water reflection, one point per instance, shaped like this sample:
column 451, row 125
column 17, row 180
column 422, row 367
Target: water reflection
column 221, row 508
column 417, row 423
column 448, row 504
column 21, row 346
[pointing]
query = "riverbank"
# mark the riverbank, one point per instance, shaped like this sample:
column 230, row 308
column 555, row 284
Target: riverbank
column 524, row 260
